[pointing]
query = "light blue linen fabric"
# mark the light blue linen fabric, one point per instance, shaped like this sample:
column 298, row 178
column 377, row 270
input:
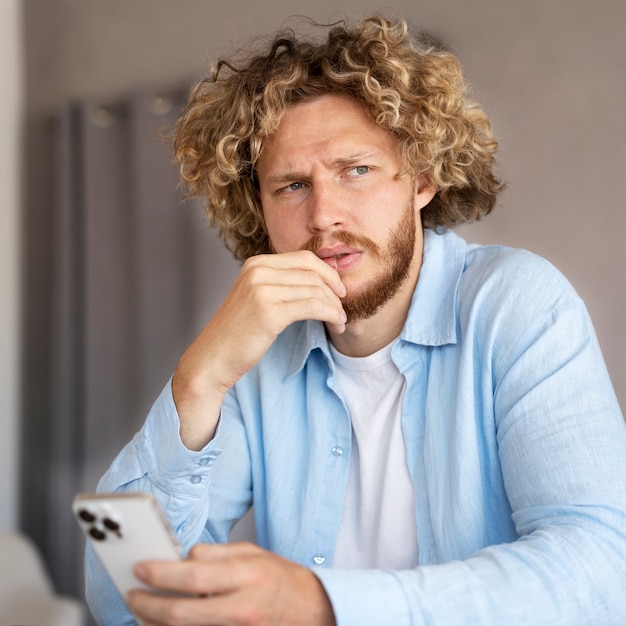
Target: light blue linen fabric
column 516, row 447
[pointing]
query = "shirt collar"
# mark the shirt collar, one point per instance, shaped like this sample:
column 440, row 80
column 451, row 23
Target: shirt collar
column 432, row 316
column 306, row 336
column 431, row 319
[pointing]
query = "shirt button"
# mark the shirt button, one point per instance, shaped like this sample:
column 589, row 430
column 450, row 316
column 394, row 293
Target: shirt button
column 337, row 451
column 195, row 479
column 318, row 559
column 205, row 460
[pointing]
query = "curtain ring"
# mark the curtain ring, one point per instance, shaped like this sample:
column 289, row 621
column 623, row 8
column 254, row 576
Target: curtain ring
column 159, row 105
column 101, row 116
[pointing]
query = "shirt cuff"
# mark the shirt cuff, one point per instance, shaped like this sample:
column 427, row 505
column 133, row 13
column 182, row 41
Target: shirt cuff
column 365, row 597
column 168, row 463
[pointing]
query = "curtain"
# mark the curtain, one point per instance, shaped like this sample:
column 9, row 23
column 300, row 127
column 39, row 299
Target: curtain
column 135, row 276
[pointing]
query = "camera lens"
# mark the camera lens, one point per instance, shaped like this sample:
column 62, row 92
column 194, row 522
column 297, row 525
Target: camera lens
column 86, row 516
column 111, row 525
column 97, row 534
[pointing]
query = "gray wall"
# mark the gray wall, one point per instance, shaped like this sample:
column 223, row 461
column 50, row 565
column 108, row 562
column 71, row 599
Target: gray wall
column 551, row 74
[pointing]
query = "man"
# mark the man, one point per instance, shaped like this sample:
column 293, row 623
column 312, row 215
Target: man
column 425, row 428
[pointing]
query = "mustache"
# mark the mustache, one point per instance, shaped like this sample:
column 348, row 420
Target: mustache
column 348, row 239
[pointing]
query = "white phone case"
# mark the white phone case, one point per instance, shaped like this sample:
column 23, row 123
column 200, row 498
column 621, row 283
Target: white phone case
column 123, row 530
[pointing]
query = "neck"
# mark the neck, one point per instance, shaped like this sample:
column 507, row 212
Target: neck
column 364, row 337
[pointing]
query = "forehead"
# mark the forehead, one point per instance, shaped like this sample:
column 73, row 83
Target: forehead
column 327, row 127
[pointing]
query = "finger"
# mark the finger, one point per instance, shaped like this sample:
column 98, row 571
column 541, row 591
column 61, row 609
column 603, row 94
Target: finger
column 302, row 260
column 311, row 309
column 221, row 551
column 329, row 274
column 270, row 308
column 195, row 577
column 337, row 329
column 216, row 610
column 221, row 572
column 163, row 610
column 318, row 296
column 309, row 276
column 171, row 576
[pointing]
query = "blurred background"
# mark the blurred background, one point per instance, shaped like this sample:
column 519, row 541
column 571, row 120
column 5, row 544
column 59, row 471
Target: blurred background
column 106, row 276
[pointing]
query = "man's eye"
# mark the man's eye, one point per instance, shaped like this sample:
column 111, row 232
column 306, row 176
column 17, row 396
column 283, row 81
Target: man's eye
column 293, row 187
column 359, row 170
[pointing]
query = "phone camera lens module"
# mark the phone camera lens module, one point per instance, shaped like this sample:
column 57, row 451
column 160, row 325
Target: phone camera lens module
column 97, row 534
column 112, row 525
column 86, row 516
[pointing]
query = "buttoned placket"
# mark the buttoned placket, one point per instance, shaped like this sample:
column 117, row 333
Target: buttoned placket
column 339, row 432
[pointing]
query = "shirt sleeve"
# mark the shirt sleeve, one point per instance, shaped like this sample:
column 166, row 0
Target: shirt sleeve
column 182, row 483
column 562, row 450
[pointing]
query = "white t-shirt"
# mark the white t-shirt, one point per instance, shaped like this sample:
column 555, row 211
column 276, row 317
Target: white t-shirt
column 378, row 527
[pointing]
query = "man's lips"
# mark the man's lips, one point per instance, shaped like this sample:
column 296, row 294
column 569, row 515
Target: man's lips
column 339, row 257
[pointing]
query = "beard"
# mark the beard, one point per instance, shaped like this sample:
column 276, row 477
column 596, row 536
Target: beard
column 394, row 261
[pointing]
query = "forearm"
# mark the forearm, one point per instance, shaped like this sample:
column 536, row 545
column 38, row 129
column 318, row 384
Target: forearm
column 198, row 393
column 561, row 576
column 272, row 292
column 154, row 462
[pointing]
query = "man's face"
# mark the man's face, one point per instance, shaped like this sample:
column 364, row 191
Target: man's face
column 329, row 181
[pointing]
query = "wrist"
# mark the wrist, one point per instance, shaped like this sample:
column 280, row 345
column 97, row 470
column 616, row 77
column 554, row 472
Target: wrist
column 198, row 407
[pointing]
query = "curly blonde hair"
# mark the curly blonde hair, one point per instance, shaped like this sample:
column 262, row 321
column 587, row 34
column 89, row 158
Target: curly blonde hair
column 415, row 91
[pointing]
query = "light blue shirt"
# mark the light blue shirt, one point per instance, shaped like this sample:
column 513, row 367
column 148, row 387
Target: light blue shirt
column 515, row 444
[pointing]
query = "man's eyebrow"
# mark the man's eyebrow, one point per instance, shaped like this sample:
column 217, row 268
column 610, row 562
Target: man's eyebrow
column 286, row 177
column 355, row 158
column 347, row 161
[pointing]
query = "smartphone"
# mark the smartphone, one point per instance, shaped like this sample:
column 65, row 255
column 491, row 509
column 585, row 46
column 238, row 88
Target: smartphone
column 123, row 530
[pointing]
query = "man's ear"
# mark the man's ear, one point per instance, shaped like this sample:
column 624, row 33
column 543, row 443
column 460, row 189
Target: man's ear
column 424, row 192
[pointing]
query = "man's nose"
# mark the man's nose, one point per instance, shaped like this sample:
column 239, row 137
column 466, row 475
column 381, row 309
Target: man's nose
column 326, row 208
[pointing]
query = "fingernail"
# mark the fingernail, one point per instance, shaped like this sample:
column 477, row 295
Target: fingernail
column 140, row 571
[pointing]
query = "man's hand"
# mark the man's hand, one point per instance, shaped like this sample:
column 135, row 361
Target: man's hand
column 271, row 292
column 233, row 584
